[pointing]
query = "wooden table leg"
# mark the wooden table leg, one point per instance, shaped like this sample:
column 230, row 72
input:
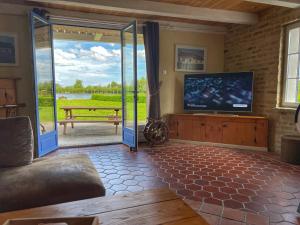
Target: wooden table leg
column 116, row 132
column 66, row 114
column 65, row 128
column 116, row 118
column 71, row 117
column 117, row 111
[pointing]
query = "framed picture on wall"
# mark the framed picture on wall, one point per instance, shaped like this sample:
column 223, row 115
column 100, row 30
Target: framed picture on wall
column 8, row 49
column 190, row 59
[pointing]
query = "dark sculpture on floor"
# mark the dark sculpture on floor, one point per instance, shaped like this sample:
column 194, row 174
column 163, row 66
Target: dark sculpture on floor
column 156, row 132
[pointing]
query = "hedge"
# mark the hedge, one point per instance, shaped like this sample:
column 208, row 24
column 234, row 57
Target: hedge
column 48, row 101
column 45, row 101
column 116, row 98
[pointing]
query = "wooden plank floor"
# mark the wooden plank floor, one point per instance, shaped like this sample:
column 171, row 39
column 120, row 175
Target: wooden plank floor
column 159, row 206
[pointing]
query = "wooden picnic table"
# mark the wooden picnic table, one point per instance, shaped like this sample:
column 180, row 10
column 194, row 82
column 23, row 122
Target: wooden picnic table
column 71, row 118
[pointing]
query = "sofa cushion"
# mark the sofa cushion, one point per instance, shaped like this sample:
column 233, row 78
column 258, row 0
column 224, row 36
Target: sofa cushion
column 49, row 180
column 16, row 142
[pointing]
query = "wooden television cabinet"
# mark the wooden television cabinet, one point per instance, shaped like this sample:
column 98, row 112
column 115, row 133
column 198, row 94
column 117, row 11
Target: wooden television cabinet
column 244, row 131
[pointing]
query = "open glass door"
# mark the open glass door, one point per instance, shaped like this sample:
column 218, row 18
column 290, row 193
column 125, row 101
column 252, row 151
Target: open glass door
column 129, row 85
column 44, row 84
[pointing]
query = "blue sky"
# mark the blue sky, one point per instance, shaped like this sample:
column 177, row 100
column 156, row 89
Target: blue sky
column 92, row 62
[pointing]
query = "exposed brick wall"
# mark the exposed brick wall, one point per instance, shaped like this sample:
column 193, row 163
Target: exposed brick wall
column 257, row 48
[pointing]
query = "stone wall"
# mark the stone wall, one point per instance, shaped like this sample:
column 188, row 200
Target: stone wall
column 257, row 48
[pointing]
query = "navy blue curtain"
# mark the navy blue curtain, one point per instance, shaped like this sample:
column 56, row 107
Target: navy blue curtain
column 151, row 41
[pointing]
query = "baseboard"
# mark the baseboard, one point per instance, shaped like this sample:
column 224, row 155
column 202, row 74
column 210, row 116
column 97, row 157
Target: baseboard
column 242, row 147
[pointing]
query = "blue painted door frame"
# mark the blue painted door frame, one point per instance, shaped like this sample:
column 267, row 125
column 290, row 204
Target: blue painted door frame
column 130, row 136
column 48, row 141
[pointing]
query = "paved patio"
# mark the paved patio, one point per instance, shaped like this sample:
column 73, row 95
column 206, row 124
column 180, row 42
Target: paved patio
column 226, row 186
column 89, row 134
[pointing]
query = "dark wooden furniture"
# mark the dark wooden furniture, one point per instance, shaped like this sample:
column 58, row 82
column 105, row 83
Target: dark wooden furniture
column 8, row 97
column 55, row 221
column 225, row 129
column 71, row 118
column 159, row 206
column 290, row 149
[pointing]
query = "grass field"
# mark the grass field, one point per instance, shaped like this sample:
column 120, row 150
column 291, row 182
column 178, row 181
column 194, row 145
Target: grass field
column 45, row 112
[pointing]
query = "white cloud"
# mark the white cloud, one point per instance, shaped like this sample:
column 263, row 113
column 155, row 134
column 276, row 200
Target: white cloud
column 83, row 52
column 64, row 54
column 74, row 51
column 96, row 75
column 116, row 52
column 63, row 58
column 141, row 53
column 100, row 53
column 93, row 65
column 78, row 45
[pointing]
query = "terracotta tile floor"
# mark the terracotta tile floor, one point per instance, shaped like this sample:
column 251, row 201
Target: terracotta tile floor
column 226, row 186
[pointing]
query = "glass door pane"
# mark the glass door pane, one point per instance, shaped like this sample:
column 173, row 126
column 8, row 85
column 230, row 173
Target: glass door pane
column 44, row 85
column 129, row 84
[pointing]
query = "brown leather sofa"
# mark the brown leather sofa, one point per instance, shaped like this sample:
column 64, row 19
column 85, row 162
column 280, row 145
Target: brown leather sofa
column 27, row 183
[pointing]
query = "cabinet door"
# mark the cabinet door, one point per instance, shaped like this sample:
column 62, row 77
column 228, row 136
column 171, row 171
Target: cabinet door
column 262, row 134
column 198, row 130
column 185, row 129
column 172, row 125
column 213, row 132
column 246, row 134
column 230, row 133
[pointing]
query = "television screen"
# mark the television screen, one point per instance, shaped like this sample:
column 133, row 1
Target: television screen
column 230, row 92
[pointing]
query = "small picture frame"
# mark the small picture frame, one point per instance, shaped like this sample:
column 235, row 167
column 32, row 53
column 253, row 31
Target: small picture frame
column 190, row 59
column 8, row 49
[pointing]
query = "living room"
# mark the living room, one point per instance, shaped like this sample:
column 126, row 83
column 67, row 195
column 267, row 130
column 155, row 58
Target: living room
column 231, row 166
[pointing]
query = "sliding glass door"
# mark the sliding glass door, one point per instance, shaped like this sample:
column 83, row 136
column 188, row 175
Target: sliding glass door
column 129, row 85
column 42, row 49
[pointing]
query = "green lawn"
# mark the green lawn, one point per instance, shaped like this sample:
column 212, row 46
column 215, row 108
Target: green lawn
column 45, row 112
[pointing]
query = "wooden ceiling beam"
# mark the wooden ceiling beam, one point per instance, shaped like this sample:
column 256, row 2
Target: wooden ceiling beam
column 159, row 9
column 282, row 3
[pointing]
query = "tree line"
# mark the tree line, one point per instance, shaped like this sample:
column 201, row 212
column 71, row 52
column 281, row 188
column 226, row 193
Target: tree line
column 78, row 87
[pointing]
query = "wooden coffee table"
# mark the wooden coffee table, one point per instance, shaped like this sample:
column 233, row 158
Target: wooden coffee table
column 159, row 206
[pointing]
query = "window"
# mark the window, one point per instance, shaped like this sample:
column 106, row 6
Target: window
column 292, row 66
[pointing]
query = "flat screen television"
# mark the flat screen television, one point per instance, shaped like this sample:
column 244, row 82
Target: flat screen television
column 226, row 92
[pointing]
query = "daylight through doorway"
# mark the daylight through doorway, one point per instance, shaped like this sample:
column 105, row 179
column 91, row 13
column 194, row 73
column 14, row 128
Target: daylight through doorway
column 88, row 85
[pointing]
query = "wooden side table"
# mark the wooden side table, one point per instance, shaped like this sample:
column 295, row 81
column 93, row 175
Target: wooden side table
column 290, row 149
column 150, row 207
